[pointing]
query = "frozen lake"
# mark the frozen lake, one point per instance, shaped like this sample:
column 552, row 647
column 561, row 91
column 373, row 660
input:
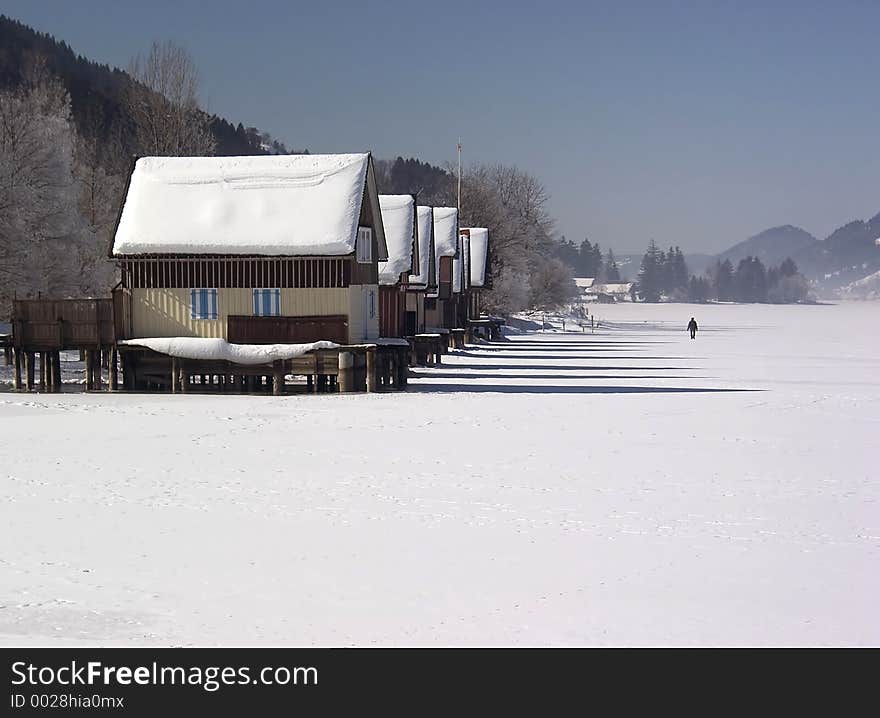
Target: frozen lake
column 628, row 487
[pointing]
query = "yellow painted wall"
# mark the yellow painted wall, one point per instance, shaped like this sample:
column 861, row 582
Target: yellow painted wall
column 167, row 312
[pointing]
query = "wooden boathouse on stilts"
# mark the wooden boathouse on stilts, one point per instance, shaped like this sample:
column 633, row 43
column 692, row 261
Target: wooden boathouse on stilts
column 480, row 324
column 401, row 238
column 427, row 348
column 238, row 272
column 439, row 304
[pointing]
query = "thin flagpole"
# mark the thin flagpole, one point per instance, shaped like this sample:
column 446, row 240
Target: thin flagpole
column 459, row 175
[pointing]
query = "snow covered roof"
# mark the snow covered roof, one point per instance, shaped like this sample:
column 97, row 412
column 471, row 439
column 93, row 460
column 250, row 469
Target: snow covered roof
column 479, row 253
column 263, row 205
column 446, row 231
column 398, row 218
column 584, row 282
column 425, row 219
column 612, row 288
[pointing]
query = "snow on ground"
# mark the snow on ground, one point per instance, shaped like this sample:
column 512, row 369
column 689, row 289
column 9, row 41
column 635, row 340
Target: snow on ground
column 625, row 487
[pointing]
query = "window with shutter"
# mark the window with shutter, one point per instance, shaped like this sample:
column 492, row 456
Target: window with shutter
column 267, row 302
column 203, row 303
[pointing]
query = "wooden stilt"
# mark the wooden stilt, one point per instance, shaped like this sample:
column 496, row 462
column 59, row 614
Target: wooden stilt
column 29, row 361
column 277, row 377
column 42, row 371
column 17, row 375
column 346, row 371
column 57, row 364
column 96, row 376
column 184, row 379
column 90, row 370
column 114, row 370
column 175, row 374
column 371, row 369
column 50, row 371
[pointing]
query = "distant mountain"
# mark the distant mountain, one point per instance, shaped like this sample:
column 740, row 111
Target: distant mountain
column 848, row 254
column 834, row 265
column 772, row 245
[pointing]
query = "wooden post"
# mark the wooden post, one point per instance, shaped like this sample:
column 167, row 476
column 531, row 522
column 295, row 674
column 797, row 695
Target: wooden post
column 17, row 375
column 175, row 374
column 184, row 379
column 96, row 375
column 57, row 364
column 371, row 369
column 402, row 370
column 29, row 361
column 114, row 370
column 346, row 371
column 89, row 369
column 277, row 377
column 50, row 371
column 42, row 371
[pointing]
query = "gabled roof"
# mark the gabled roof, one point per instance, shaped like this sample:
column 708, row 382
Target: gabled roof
column 399, row 221
column 479, row 254
column 264, row 205
column 426, row 277
column 446, row 231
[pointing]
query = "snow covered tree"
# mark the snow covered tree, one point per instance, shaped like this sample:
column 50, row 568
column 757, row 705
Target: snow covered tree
column 40, row 226
column 550, row 285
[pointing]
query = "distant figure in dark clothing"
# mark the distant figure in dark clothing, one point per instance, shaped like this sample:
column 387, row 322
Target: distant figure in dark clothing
column 692, row 327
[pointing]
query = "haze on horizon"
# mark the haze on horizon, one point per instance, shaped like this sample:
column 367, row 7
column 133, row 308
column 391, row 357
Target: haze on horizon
column 692, row 124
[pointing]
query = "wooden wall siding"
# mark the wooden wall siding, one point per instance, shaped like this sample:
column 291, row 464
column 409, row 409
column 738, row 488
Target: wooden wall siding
column 444, row 288
column 237, row 272
column 287, row 330
column 392, row 311
column 167, row 312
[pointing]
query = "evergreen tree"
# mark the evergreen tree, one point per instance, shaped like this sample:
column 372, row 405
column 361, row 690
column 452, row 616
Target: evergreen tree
column 788, row 268
column 598, row 270
column 722, row 281
column 750, row 281
column 612, row 272
column 650, row 274
column 586, row 267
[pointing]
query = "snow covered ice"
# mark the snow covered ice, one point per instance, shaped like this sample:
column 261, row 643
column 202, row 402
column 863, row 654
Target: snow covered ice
column 628, row 487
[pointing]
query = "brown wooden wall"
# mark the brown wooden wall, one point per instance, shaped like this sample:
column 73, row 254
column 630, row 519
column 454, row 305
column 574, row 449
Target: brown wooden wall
column 286, row 330
column 237, row 272
column 392, row 311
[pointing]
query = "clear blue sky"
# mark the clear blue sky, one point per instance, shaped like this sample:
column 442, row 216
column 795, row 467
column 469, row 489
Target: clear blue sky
column 695, row 123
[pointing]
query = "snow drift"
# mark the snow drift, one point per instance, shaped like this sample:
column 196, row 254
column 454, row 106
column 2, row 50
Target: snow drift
column 221, row 350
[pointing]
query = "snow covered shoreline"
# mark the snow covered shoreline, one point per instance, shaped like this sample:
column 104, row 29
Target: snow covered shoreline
column 629, row 487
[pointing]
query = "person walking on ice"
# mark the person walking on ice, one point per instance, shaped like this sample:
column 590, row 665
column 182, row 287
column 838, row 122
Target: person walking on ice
column 692, row 327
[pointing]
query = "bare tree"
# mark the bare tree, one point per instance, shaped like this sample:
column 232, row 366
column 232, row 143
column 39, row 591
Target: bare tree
column 512, row 204
column 164, row 104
